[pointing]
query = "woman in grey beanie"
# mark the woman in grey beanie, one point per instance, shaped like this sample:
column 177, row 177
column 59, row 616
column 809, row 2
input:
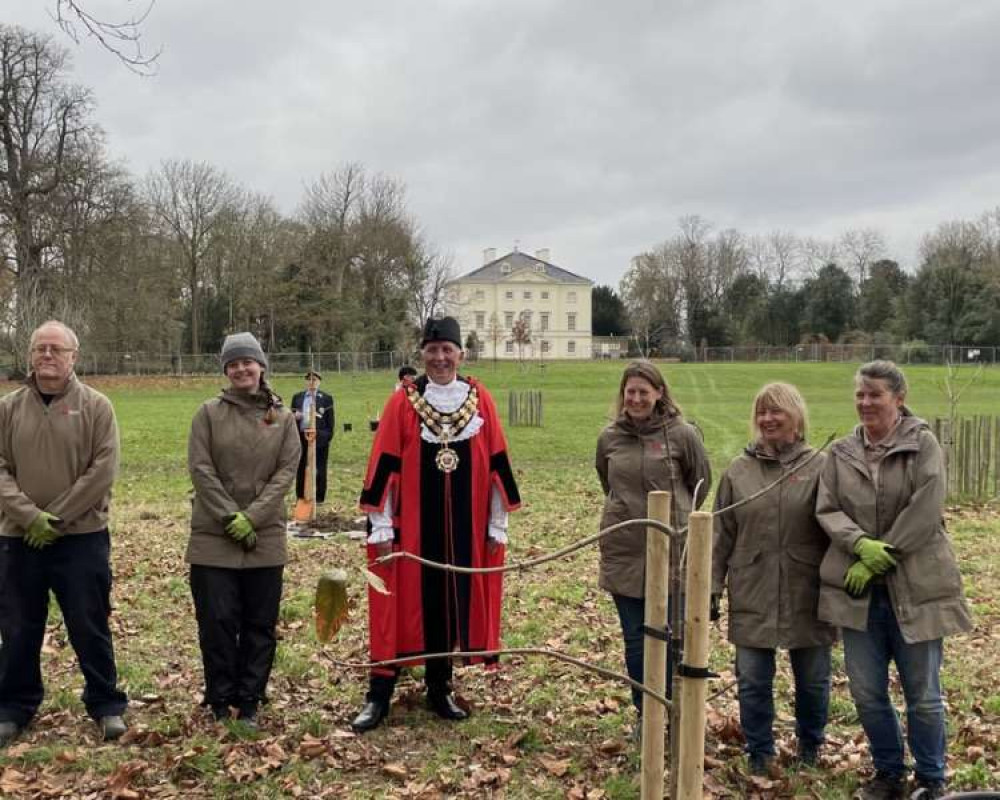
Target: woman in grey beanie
column 242, row 455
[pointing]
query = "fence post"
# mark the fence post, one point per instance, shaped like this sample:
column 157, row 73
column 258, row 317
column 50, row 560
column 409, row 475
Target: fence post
column 693, row 688
column 654, row 663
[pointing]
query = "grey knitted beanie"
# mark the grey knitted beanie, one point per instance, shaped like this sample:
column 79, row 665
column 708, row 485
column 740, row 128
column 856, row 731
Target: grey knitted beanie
column 242, row 345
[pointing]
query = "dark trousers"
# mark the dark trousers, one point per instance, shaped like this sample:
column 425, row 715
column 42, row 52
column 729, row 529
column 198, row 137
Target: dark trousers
column 632, row 615
column 237, row 612
column 437, row 678
column 77, row 570
column 322, row 454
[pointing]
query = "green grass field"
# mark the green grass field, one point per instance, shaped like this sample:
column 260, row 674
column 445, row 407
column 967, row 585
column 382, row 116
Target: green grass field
column 539, row 729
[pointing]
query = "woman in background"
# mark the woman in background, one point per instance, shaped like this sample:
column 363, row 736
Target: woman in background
column 889, row 578
column 242, row 456
column 648, row 447
column 769, row 551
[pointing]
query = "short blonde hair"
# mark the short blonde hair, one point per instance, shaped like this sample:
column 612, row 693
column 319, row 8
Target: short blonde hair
column 784, row 397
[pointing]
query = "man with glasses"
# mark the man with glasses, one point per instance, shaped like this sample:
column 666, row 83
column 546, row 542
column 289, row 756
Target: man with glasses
column 58, row 459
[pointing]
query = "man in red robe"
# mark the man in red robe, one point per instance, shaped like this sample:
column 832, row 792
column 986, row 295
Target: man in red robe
column 439, row 484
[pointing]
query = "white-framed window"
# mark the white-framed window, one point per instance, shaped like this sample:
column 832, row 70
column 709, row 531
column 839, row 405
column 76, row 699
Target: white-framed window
column 546, row 346
column 505, row 267
column 480, row 294
column 571, row 297
column 527, row 294
column 544, row 321
column 571, row 322
column 571, row 347
column 480, row 320
column 510, row 346
column 508, row 319
column 545, row 295
column 526, row 316
column 509, row 295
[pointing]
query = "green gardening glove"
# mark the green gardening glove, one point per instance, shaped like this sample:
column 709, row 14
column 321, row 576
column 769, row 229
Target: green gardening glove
column 241, row 529
column 875, row 554
column 857, row 579
column 41, row 533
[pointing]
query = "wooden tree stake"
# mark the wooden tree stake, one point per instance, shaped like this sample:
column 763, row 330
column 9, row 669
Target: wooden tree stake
column 691, row 766
column 655, row 651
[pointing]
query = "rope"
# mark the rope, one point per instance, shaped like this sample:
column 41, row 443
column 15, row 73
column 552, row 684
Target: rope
column 514, row 651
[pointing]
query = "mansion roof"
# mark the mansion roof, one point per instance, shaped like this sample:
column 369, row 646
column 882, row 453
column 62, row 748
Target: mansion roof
column 507, row 267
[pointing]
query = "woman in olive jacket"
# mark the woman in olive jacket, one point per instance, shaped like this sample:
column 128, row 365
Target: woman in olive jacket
column 649, row 447
column 242, row 455
column 770, row 551
column 889, row 577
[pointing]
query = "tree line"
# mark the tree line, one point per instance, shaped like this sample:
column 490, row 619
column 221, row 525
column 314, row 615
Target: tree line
column 724, row 288
column 170, row 261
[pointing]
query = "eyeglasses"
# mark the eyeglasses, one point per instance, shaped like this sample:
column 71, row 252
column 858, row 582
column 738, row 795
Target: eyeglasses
column 54, row 349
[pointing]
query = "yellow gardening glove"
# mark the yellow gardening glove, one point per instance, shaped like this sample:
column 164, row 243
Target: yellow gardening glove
column 875, row 554
column 857, row 579
column 241, row 529
column 41, row 533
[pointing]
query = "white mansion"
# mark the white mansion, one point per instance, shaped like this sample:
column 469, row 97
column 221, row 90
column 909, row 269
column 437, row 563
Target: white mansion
column 553, row 302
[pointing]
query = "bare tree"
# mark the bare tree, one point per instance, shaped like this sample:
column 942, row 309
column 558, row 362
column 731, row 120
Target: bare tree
column 817, row 253
column 521, row 334
column 494, row 332
column 44, row 130
column 190, row 200
column 427, row 274
column 122, row 38
column 860, row 249
column 776, row 257
column 330, row 209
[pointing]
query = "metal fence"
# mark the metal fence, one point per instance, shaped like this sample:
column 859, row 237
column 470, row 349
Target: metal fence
column 139, row 363
column 911, row 353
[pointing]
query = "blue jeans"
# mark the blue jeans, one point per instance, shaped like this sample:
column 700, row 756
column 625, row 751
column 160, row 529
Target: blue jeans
column 755, row 675
column 632, row 615
column 866, row 656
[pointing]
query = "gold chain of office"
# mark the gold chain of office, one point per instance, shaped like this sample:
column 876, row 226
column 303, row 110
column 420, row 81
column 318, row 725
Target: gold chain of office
column 445, row 424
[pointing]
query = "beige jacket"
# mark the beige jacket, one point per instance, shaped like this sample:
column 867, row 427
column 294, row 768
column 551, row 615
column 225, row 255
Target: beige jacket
column 770, row 550
column 903, row 509
column 633, row 459
column 61, row 458
column 239, row 462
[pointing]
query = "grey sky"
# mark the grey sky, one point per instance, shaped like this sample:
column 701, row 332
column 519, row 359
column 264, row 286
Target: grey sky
column 582, row 126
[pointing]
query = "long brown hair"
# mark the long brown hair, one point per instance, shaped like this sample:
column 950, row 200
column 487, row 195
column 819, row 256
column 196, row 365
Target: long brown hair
column 666, row 405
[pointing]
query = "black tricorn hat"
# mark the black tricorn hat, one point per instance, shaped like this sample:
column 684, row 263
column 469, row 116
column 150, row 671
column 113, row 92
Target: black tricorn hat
column 445, row 329
column 312, row 372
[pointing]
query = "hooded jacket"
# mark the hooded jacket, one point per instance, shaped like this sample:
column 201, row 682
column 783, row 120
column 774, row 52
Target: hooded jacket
column 904, row 508
column 770, row 550
column 240, row 462
column 634, row 458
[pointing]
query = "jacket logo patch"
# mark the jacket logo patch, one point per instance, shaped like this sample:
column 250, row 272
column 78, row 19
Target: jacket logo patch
column 656, row 447
column 71, row 412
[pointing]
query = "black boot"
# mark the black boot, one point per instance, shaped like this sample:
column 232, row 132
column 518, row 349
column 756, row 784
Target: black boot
column 445, row 706
column 372, row 713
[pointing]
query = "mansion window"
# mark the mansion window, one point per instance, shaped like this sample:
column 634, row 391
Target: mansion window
column 545, row 346
column 571, row 297
column 480, row 294
column 509, row 295
column 571, row 322
column 527, row 295
column 545, row 295
column 508, row 319
column 480, row 320
column 510, row 346
column 571, row 347
column 545, row 322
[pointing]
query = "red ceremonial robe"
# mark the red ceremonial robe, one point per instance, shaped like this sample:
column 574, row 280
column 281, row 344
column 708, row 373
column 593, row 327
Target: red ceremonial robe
column 442, row 517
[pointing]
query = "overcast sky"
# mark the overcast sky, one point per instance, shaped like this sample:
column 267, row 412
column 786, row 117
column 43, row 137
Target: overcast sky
column 584, row 126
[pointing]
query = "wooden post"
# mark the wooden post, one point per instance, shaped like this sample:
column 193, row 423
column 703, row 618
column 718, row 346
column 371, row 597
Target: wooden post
column 691, row 766
column 654, row 663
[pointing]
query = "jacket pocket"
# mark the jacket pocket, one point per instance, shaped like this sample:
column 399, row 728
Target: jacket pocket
column 749, row 588
column 933, row 575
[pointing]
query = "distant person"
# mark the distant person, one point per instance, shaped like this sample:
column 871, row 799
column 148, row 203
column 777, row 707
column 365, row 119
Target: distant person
column 890, row 580
column 58, row 460
column 242, row 454
column 769, row 553
column 439, row 485
column 322, row 422
column 406, row 372
column 648, row 447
